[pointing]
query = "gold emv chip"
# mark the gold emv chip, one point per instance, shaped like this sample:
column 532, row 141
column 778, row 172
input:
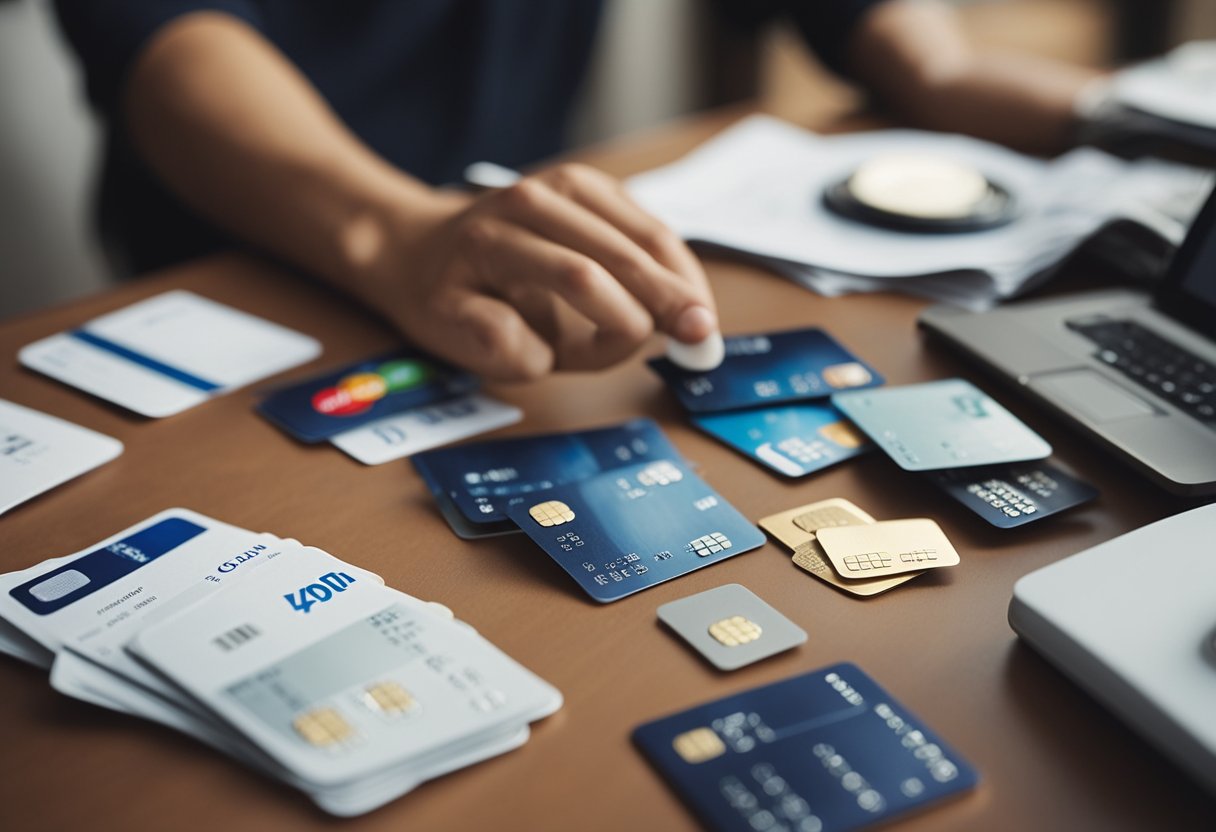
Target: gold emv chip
column 389, row 698
column 322, row 727
column 731, row 632
column 698, row 745
column 551, row 513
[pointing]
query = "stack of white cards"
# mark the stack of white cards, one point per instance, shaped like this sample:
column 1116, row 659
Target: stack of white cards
column 294, row 662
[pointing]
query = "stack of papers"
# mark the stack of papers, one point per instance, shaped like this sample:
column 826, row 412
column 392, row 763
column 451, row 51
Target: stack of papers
column 290, row 660
column 757, row 189
column 1164, row 102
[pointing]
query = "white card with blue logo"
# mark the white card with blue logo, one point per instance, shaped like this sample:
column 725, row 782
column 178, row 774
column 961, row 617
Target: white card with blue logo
column 339, row 678
column 39, row 452
column 168, row 353
column 404, row 434
column 93, row 602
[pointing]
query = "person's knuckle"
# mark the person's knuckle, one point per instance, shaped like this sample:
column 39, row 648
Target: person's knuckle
column 570, row 177
column 660, row 240
column 477, row 233
column 524, row 365
column 635, row 330
column 578, row 276
column 524, row 195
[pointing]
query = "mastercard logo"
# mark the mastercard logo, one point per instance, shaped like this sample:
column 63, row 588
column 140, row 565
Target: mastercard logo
column 357, row 392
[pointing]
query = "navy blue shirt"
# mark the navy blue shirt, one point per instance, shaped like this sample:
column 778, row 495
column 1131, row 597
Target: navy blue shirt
column 430, row 85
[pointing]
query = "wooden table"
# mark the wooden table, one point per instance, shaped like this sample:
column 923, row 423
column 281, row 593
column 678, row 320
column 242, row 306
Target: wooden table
column 1050, row 757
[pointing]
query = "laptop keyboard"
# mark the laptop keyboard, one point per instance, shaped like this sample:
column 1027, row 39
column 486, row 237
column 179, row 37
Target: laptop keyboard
column 1172, row 373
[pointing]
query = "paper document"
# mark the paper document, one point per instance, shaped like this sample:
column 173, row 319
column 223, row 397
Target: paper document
column 757, row 189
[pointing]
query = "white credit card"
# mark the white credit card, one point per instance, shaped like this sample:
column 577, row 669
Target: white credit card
column 169, row 353
column 39, row 452
column 404, row 434
column 339, row 678
column 104, row 588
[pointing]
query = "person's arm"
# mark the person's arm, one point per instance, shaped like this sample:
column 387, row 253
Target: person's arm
column 560, row 271
column 914, row 56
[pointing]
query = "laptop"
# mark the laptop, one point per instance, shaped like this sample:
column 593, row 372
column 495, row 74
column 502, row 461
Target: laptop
column 1140, row 641
column 1136, row 371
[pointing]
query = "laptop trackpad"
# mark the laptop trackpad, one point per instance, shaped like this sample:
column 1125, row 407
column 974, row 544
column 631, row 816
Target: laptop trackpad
column 1090, row 394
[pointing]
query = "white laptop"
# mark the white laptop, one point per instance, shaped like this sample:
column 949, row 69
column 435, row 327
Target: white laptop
column 1141, row 641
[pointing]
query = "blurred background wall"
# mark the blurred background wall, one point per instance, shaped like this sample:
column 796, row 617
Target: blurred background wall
column 656, row 59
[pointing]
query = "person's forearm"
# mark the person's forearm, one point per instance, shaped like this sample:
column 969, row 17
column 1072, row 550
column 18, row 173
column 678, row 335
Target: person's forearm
column 913, row 55
column 243, row 138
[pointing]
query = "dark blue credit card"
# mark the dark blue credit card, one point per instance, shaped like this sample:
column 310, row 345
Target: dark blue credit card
column 829, row 750
column 1008, row 496
column 483, row 479
column 354, row 395
column 792, row 366
column 793, row 439
column 625, row 530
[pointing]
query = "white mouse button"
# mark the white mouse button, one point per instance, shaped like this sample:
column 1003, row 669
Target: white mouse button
column 703, row 356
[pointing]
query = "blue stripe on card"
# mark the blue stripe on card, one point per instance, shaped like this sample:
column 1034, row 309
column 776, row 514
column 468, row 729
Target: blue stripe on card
column 144, row 361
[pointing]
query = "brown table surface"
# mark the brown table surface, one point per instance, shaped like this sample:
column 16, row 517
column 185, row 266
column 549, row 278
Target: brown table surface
column 1049, row 756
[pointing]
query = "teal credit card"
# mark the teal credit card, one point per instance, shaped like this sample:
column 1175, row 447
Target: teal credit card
column 941, row 424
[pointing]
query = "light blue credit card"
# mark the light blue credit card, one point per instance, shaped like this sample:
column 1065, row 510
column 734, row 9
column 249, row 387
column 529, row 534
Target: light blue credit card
column 941, row 424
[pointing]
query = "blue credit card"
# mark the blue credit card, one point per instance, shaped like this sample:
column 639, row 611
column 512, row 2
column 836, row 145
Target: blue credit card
column 829, row 750
column 483, row 479
column 941, row 424
column 622, row 531
column 1008, row 496
column 798, row 365
column 350, row 397
column 794, row 440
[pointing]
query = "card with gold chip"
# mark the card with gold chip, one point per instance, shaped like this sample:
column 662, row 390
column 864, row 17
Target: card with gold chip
column 827, row 750
column 625, row 530
column 796, row 529
column 891, row 547
column 731, row 626
column 794, row 440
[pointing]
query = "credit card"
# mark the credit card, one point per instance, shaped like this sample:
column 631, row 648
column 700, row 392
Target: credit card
column 625, row 530
column 338, row 678
column 485, row 478
column 941, row 424
column 768, row 369
column 796, row 529
column 828, row 750
column 731, row 626
column 39, row 452
column 793, row 440
column 169, row 353
column 892, row 547
column 363, row 392
column 427, row 427
column 1008, row 496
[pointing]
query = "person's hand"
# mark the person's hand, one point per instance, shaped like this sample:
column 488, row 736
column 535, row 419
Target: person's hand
column 561, row 271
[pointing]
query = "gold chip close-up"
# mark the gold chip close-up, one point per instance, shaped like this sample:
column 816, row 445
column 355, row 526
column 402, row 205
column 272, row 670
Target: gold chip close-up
column 390, row 698
column 322, row 727
column 551, row 513
column 735, row 631
column 698, row 745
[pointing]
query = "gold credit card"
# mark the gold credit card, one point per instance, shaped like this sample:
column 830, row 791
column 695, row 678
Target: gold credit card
column 796, row 529
column 810, row 556
column 798, row 525
column 892, row 547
